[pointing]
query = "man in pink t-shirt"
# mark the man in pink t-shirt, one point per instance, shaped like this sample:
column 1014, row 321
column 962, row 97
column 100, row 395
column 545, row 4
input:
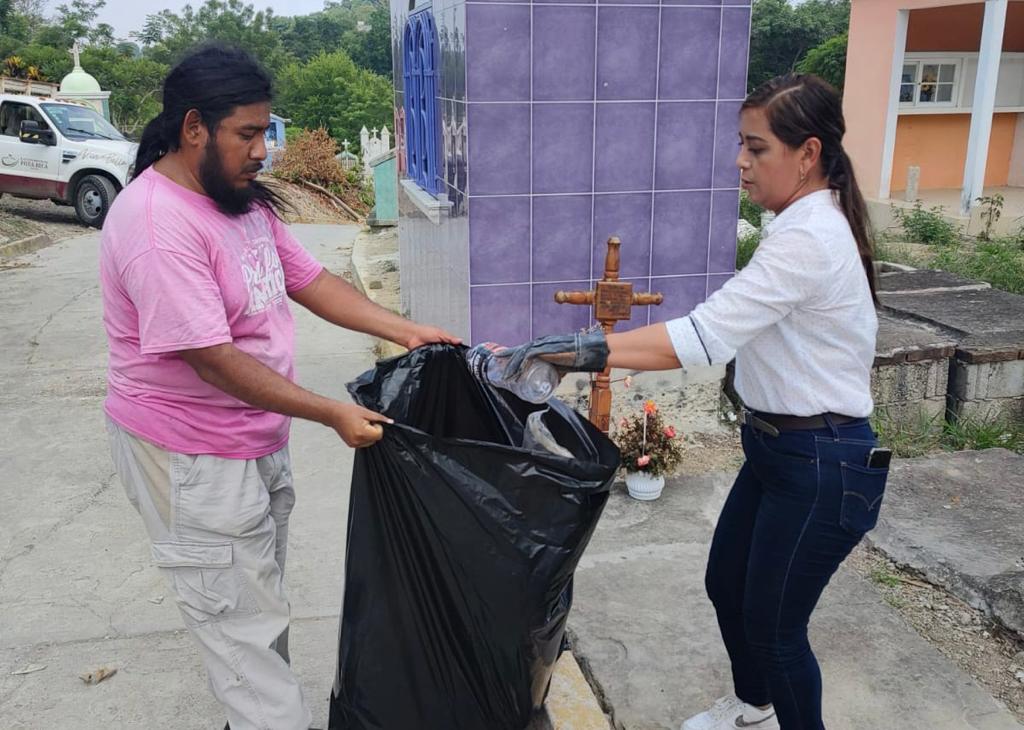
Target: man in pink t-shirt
column 196, row 270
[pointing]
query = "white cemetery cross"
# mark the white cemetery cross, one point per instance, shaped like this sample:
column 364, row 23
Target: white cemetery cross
column 372, row 144
column 347, row 159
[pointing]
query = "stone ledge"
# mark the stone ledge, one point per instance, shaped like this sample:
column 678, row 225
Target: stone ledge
column 900, row 341
column 432, row 207
column 956, row 519
column 914, row 355
column 958, row 313
column 991, row 347
column 926, row 281
column 25, row 245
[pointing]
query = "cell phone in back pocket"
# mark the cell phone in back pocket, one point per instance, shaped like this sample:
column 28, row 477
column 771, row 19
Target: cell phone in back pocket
column 879, row 458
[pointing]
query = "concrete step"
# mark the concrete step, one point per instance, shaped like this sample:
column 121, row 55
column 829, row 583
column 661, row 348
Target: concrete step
column 956, row 518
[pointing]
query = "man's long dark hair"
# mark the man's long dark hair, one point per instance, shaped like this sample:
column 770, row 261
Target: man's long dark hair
column 801, row 106
column 214, row 80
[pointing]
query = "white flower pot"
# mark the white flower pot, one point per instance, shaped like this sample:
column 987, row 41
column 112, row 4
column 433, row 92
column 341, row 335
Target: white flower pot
column 644, row 486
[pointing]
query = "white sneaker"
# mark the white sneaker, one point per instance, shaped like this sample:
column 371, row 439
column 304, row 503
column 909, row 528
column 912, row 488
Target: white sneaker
column 731, row 712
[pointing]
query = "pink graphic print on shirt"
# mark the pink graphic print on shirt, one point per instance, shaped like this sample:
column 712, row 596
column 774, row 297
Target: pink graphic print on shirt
column 261, row 266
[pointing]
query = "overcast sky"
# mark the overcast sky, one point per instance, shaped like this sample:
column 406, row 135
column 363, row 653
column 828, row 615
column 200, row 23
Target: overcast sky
column 128, row 15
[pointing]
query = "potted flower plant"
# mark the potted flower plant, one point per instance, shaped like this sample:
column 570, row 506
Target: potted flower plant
column 650, row 451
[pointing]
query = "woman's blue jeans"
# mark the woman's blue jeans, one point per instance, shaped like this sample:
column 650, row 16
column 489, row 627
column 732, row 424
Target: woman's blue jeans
column 800, row 504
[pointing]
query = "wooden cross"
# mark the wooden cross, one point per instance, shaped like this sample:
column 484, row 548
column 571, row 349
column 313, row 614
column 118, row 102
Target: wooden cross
column 613, row 301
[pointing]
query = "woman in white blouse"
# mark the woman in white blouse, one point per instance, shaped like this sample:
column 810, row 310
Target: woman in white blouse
column 800, row 322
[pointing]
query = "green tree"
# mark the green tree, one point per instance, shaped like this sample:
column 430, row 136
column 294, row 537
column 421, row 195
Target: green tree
column 167, row 36
column 128, row 49
column 781, row 33
column 53, row 63
column 137, row 84
column 24, row 19
column 306, row 36
column 6, row 9
column 155, row 28
column 338, row 27
column 330, row 91
column 827, row 60
column 372, row 49
column 77, row 21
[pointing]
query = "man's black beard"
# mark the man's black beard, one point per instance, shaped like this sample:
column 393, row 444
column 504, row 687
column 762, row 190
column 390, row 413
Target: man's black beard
column 232, row 200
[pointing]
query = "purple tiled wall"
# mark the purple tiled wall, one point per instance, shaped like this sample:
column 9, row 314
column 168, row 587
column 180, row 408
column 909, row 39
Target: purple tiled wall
column 587, row 120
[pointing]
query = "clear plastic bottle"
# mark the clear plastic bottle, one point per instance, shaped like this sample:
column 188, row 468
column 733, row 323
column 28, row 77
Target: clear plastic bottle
column 535, row 383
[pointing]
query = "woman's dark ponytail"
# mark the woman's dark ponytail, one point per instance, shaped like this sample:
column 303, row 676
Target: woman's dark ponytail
column 842, row 180
column 801, row 106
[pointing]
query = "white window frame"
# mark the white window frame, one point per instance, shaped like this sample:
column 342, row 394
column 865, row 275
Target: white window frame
column 919, row 63
column 961, row 104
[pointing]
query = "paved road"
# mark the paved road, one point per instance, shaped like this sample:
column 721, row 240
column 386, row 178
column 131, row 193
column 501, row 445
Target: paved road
column 77, row 590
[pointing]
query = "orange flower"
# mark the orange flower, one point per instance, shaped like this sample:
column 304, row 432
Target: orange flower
column 650, row 408
column 643, row 461
column 670, row 432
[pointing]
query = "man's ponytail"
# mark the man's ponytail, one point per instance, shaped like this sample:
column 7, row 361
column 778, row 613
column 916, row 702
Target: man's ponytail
column 153, row 144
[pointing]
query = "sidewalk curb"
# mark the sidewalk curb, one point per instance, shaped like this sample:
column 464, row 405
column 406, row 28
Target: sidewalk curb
column 571, row 704
column 25, row 245
column 360, row 275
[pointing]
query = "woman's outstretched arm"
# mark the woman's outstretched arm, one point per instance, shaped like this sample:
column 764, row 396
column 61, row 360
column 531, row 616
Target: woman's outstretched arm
column 645, row 348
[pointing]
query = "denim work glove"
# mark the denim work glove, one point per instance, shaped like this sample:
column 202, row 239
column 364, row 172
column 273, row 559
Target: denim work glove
column 579, row 352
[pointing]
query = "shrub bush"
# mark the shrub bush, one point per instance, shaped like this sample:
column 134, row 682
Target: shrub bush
column 926, row 226
column 310, row 156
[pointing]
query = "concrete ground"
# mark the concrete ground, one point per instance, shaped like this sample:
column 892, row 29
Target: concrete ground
column 77, row 590
column 646, row 632
column 956, row 519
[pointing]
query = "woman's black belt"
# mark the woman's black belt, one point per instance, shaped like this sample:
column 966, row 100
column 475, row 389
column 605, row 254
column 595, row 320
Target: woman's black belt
column 773, row 423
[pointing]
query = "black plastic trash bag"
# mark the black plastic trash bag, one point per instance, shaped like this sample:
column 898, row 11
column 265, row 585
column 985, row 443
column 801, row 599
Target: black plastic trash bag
column 461, row 550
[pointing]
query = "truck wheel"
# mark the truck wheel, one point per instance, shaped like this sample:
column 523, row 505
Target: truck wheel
column 93, row 197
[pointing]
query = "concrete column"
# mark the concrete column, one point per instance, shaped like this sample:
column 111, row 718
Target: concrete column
column 984, row 103
column 899, row 49
column 913, row 183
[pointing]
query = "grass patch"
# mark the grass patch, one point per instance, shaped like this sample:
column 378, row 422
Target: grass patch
column 920, row 435
column 999, row 261
column 996, row 260
column 989, row 433
column 896, row 252
column 745, row 248
column 910, row 436
column 883, row 577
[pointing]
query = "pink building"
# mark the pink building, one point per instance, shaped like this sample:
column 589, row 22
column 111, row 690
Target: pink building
column 937, row 86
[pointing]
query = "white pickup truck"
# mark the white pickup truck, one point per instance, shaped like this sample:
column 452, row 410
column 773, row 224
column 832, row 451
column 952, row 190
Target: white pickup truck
column 62, row 151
